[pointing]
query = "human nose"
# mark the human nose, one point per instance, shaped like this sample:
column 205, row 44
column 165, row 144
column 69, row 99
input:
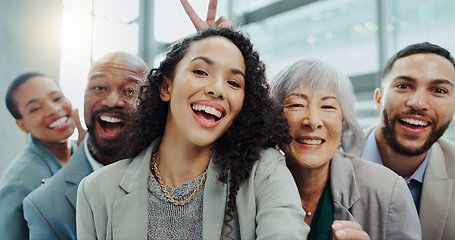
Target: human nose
column 53, row 108
column 311, row 119
column 215, row 87
column 418, row 101
column 114, row 99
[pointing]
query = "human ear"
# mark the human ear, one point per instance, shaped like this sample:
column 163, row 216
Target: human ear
column 21, row 124
column 378, row 98
column 166, row 90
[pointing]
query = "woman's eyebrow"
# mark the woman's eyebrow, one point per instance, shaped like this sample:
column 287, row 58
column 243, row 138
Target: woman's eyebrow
column 211, row 62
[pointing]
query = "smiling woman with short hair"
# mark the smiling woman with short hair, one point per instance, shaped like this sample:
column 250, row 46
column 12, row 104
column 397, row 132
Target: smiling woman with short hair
column 40, row 108
column 318, row 102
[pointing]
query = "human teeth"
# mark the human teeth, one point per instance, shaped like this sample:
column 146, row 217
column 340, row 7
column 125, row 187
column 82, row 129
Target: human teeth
column 414, row 122
column 311, row 141
column 207, row 109
column 110, row 119
column 58, row 123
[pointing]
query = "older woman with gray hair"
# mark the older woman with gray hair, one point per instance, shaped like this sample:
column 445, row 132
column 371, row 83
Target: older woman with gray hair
column 318, row 102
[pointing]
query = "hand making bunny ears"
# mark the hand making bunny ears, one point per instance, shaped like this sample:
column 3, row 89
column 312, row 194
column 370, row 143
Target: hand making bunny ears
column 200, row 24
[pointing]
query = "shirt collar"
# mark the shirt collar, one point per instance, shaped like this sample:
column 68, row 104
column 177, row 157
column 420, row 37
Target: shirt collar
column 371, row 153
column 420, row 172
column 93, row 163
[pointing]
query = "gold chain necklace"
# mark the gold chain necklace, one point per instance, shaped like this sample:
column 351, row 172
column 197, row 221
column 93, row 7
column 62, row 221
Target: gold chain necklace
column 164, row 188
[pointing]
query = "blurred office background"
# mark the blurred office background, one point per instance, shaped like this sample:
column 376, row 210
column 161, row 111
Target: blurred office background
column 62, row 38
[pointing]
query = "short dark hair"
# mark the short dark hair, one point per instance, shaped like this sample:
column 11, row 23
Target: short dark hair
column 18, row 81
column 417, row 48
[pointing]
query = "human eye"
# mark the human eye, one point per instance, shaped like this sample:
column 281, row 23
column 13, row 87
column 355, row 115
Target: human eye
column 234, row 83
column 328, row 107
column 330, row 104
column 200, row 72
column 34, row 109
column 98, row 88
column 130, row 92
column 295, row 106
column 295, row 102
column 403, row 86
column 58, row 98
column 439, row 90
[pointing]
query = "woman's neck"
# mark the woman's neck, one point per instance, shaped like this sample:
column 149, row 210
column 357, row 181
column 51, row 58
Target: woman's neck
column 311, row 183
column 178, row 162
column 61, row 150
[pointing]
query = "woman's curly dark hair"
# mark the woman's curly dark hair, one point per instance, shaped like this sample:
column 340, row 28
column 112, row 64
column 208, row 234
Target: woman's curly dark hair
column 260, row 123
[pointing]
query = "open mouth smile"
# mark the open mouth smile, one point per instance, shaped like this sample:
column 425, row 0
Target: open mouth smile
column 208, row 110
column 207, row 115
column 414, row 125
column 58, row 123
column 111, row 125
column 309, row 141
column 414, row 122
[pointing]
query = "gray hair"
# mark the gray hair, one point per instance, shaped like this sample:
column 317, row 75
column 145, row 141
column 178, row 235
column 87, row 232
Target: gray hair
column 316, row 75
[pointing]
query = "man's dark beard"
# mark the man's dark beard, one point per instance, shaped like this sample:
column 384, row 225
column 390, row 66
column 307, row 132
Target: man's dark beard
column 118, row 147
column 390, row 135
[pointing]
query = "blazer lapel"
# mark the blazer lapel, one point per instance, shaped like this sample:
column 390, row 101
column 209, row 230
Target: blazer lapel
column 215, row 199
column 436, row 195
column 342, row 176
column 134, row 204
column 77, row 168
column 131, row 206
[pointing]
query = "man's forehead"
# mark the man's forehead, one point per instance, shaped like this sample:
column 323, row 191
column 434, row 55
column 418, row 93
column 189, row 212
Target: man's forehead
column 420, row 65
column 120, row 62
column 136, row 73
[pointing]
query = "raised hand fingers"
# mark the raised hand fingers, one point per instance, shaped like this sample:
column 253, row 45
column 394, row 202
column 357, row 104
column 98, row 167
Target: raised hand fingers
column 195, row 19
column 211, row 12
column 223, row 22
column 200, row 24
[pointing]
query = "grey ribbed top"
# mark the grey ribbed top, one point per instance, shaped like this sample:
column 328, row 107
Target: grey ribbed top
column 168, row 221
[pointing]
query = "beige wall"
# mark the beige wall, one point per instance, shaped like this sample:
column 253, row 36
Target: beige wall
column 29, row 41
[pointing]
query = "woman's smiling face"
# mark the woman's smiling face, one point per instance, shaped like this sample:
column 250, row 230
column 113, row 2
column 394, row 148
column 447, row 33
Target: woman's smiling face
column 315, row 120
column 207, row 91
column 46, row 112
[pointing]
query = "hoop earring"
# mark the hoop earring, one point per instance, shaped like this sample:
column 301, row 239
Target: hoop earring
column 26, row 138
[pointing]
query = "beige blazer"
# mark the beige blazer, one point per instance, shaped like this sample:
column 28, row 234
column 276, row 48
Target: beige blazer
column 437, row 203
column 112, row 202
column 375, row 197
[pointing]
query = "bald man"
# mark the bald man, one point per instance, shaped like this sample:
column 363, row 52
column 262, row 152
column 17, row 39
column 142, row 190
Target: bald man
column 110, row 98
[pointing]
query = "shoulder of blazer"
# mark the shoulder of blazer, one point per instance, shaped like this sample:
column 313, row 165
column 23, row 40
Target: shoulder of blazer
column 442, row 157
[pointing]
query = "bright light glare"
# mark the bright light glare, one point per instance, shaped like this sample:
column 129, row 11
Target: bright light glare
column 76, row 31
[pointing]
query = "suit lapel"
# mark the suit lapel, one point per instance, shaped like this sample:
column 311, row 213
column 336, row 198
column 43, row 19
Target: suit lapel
column 131, row 206
column 436, row 195
column 78, row 167
column 134, row 204
column 342, row 176
column 215, row 194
